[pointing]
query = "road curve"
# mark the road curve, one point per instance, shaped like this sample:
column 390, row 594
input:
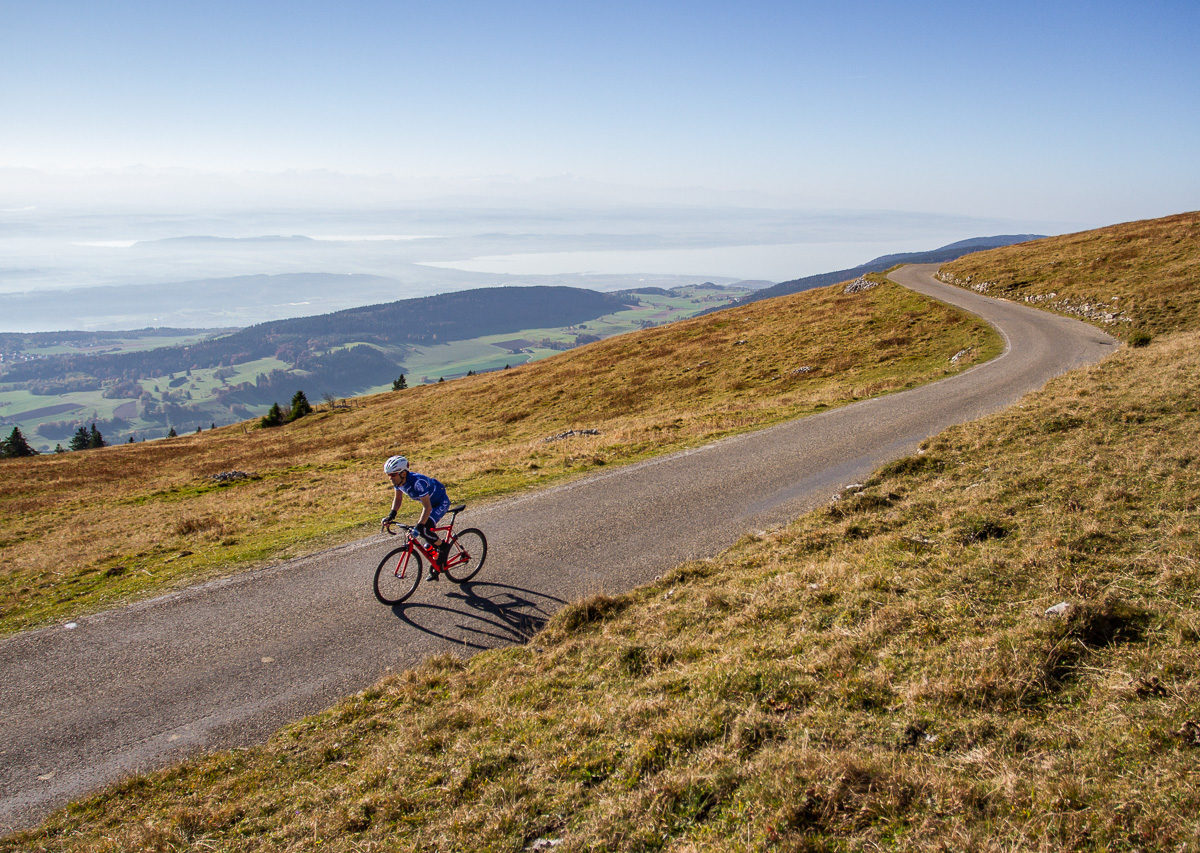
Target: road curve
column 226, row 663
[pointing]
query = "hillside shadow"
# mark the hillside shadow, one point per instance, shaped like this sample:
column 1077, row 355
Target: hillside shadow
column 485, row 615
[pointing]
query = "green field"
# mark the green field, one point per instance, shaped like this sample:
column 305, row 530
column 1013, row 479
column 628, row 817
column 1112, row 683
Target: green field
column 21, row 408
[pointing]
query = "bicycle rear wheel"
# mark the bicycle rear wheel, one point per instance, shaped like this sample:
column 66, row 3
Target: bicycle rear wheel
column 468, row 550
column 398, row 575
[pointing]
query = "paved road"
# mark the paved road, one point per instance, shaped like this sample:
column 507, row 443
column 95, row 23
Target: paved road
column 226, row 663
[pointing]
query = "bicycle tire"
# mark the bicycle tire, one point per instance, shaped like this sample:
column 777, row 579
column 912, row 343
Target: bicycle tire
column 393, row 586
column 472, row 544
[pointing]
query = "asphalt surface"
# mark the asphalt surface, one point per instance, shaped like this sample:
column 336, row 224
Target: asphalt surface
column 227, row 663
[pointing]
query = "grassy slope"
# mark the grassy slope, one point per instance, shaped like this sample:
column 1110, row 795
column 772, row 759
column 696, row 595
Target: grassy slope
column 1143, row 272
column 877, row 674
column 136, row 519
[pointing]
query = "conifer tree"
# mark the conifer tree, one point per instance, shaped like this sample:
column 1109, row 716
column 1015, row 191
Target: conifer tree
column 274, row 417
column 16, row 445
column 171, row 433
column 81, row 439
column 95, row 439
column 300, row 406
column 399, row 383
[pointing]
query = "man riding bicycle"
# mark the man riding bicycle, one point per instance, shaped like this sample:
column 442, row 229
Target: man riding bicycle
column 426, row 491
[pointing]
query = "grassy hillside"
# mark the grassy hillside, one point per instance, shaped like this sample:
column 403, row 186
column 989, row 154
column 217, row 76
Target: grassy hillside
column 880, row 674
column 136, row 519
column 1135, row 279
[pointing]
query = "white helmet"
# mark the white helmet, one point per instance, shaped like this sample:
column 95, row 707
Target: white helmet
column 395, row 464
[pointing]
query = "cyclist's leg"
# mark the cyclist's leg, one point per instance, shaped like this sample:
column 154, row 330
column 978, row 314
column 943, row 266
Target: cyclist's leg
column 435, row 515
column 436, row 512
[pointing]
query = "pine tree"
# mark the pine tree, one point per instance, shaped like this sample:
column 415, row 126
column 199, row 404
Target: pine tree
column 274, row 417
column 399, row 383
column 171, row 433
column 80, row 440
column 300, row 406
column 58, row 448
column 16, row 445
column 95, row 439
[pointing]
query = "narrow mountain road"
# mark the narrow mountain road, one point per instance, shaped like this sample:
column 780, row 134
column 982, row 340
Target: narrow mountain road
column 226, row 663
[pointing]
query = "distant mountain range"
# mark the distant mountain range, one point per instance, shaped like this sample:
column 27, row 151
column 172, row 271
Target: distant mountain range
column 946, row 253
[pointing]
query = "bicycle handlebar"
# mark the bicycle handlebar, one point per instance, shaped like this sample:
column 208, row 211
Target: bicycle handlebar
column 388, row 525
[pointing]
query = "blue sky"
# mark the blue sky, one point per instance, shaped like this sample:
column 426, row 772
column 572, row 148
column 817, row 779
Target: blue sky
column 1087, row 113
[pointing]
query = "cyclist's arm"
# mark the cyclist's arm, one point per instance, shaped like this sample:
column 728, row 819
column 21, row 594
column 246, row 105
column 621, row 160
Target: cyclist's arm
column 397, row 499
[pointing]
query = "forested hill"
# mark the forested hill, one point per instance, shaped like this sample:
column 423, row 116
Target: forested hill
column 408, row 322
column 950, row 252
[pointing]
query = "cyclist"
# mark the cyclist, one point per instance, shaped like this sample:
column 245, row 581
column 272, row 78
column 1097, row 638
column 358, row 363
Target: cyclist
column 426, row 491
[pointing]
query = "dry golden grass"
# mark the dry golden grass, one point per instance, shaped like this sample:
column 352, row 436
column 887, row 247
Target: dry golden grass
column 1147, row 272
column 877, row 675
column 82, row 531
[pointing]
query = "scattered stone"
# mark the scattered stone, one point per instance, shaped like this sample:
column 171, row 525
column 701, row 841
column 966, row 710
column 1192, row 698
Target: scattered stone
column 544, row 844
column 860, row 285
column 1063, row 608
column 571, row 433
column 977, row 286
column 849, row 491
column 739, row 343
column 961, row 354
column 230, row 476
column 1086, row 310
column 804, row 369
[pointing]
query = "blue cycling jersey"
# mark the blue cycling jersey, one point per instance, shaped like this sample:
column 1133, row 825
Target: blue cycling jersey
column 417, row 486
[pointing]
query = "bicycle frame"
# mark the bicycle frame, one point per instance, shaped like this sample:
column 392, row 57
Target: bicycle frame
column 445, row 531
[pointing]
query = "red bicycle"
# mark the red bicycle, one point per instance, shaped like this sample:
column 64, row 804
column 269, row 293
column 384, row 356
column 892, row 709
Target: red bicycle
column 401, row 570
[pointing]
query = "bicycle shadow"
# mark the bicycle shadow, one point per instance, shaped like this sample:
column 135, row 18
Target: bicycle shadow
column 499, row 614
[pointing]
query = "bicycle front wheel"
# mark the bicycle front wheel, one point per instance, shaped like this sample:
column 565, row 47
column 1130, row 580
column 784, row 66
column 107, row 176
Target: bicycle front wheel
column 398, row 575
column 468, row 550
